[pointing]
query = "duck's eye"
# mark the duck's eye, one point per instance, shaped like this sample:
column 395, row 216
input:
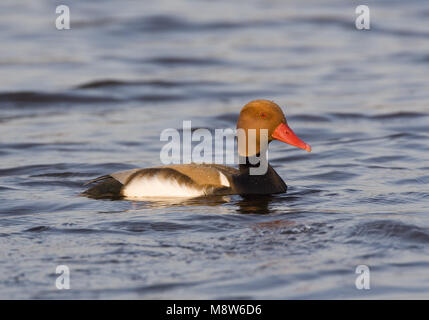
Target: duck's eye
column 263, row 115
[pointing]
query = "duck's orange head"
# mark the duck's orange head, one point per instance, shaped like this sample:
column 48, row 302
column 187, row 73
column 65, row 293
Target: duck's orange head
column 265, row 114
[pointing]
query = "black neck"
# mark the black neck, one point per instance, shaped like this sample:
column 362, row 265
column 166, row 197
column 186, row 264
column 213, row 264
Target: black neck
column 267, row 183
column 247, row 163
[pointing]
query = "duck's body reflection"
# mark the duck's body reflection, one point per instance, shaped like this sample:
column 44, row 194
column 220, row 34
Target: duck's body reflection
column 244, row 205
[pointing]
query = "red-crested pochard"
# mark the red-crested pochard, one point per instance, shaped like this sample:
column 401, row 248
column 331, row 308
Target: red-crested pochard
column 195, row 180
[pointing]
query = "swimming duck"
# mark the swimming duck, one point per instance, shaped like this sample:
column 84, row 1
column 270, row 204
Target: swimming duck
column 196, row 180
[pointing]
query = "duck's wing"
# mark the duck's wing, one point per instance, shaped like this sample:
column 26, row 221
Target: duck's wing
column 182, row 180
column 96, row 180
column 206, row 174
column 121, row 176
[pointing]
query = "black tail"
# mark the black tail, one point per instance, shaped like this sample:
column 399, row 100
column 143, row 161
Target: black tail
column 107, row 188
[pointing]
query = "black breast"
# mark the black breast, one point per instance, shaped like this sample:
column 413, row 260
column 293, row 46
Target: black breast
column 269, row 183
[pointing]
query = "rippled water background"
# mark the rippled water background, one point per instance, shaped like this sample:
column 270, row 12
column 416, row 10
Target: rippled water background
column 94, row 99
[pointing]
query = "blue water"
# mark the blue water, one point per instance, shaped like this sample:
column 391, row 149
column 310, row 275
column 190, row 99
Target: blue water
column 79, row 103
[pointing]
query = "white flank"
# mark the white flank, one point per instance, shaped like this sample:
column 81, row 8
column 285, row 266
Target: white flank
column 223, row 180
column 141, row 187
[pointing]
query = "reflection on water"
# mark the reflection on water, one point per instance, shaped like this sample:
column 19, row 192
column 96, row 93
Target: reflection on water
column 159, row 202
column 255, row 205
column 93, row 100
